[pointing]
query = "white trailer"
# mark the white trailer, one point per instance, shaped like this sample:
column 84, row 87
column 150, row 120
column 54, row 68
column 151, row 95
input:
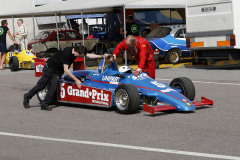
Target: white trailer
column 213, row 29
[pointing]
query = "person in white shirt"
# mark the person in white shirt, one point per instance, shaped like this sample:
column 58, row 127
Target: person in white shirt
column 83, row 31
column 22, row 34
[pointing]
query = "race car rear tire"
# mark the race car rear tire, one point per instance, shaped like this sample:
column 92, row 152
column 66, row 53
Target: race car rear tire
column 42, row 94
column 185, row 85
column 156, row 57
column 172, row 56
column 157, row 64
column 90, row 59
column 14, row 63
column 91, row 63
column 126, row 99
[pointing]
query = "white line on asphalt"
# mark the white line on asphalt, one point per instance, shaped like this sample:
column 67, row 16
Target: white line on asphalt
column 233, row 84
column 196, row 154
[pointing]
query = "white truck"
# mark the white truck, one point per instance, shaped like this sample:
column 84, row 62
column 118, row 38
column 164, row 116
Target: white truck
column 213, row 29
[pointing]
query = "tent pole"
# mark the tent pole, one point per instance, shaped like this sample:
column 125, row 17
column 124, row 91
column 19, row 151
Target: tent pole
column 57, row 31
column 34, row 35
column 69, row 23
column 13, row 25
column 60, row 23
column 171, row 16
column 124, row 26
column 88, row 25
column 82, row 28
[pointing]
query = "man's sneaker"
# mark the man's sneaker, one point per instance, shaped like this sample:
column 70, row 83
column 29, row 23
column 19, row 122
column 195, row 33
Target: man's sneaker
column 26, row 101
column 46, row 107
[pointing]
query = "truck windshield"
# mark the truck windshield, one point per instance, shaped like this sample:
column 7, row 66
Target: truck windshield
column 42, row 35
column 160, row 32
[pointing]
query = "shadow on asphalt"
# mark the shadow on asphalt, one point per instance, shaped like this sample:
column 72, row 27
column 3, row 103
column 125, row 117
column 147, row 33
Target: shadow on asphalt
column 160, row 113
column 204, row 107
column 104, row 109
column 175, row 112
column 215, row 67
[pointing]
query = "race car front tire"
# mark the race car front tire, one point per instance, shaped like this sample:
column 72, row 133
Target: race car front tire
column 185, row 85
column 126, row 99
column 14, row 63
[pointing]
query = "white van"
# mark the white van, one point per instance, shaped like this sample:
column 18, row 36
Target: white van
column 213, row 28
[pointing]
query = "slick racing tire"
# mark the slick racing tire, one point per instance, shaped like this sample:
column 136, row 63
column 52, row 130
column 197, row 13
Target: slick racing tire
column 14, row 63
column 172, row 56
column 91, row 63
column 126, row 99
column 90, row 59
column 156, row 57
column 157, row 64
column 42, row 94
column 185, row 85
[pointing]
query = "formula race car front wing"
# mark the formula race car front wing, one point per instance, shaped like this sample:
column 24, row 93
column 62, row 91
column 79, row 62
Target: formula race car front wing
column 204, row 101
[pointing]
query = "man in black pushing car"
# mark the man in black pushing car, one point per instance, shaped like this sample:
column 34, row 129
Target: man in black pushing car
column 53, row 70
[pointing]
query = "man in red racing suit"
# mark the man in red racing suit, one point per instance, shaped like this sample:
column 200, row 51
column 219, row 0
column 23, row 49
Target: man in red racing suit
column 141, row 49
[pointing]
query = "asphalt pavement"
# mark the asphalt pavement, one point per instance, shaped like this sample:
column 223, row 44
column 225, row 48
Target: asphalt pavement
column 71, row 132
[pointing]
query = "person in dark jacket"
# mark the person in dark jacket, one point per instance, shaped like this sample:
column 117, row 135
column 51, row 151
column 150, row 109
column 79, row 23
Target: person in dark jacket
column 53, row 70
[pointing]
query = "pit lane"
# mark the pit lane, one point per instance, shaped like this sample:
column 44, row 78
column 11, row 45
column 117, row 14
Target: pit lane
column 210, row 130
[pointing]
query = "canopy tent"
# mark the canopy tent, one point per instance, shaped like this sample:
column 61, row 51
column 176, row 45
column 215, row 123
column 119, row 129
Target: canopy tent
column 86, row 16
column 156, row 4
column 70, row 7
column 74, row 7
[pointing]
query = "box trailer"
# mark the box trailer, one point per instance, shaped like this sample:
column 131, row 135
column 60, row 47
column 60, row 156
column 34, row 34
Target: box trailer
column 213, row 29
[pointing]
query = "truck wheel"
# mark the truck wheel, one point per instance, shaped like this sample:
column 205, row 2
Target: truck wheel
column 42, row 94
column 14, row 63
column 185, row 85
column 126, row 99
column 172, row 56
column 194, row 61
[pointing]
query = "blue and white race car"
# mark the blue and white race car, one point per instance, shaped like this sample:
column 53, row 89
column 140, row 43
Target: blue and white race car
column 108, row 86
column 169, row 43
